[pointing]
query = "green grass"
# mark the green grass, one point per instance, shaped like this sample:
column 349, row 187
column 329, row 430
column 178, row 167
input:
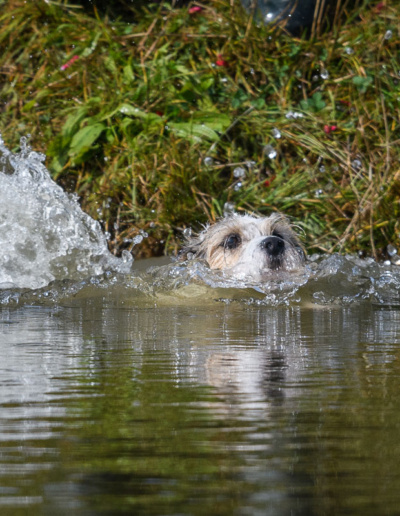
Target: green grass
column 127, row 126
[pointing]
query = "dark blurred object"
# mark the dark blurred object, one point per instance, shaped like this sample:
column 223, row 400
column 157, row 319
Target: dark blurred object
column 297, row 15
column 123, row 7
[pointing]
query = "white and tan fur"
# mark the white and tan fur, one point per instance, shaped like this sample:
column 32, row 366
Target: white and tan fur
column 247, row 246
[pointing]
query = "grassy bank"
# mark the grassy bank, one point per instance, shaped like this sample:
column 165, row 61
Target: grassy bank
column 159, row 118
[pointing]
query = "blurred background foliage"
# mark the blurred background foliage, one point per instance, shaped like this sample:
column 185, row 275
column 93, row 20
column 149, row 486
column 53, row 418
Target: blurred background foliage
column 162, row 116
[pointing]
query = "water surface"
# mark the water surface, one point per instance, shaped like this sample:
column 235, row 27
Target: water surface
column 222, row 409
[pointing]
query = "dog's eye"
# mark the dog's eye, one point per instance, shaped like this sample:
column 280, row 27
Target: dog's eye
column 232, row 241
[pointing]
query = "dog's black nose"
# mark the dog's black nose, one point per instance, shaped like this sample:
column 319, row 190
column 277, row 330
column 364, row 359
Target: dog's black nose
column 273, row 246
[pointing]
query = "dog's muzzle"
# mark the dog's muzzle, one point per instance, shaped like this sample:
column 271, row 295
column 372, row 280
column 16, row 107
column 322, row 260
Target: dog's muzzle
column 273, row 246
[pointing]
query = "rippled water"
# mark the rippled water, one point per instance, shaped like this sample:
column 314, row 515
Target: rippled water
column 165, row 388
column 229, row 409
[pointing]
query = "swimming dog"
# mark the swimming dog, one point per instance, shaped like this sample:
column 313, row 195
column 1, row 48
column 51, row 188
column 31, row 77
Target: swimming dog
column 247, row 246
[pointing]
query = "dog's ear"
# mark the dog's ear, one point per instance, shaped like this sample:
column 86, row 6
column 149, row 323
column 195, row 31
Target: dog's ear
column 192, row 248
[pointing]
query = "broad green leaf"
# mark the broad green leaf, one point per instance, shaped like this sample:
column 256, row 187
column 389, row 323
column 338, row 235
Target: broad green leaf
column 128, row 109
column 84, row 138
column 194, row 132
column 73, row 119
column 213, row 120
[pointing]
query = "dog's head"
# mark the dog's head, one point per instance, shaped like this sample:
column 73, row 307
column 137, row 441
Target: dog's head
column 245, row 245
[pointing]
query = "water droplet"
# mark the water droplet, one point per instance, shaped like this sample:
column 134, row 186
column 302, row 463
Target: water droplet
column 391, row 250
column 324, row 74
column 356, row 164
column 190, row 256
column 388, row 34
column 315, row 78
column 208, row 161
column 152, row 224
column 270, row 151
column 239, row 172
column 276, row 133
column 126, row 256
column 187, row 232
column 238, row 186
column 293, row 115
column 349, row 51
column 250, row 164
column 322, row 168
column 387, row 262
column 269, row 17
column 318, row 193
column 229, row 208
column 137, row 240
column 143, row 233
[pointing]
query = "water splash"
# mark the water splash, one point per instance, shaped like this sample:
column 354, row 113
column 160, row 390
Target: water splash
column 325, row 281
column 52, row 251
column 44, row 234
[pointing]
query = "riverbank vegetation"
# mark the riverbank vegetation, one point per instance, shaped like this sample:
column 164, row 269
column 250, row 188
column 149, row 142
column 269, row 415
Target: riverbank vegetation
column 162, row 118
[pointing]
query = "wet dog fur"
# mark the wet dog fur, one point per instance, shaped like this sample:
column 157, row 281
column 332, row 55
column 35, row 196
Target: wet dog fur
column 247, row 246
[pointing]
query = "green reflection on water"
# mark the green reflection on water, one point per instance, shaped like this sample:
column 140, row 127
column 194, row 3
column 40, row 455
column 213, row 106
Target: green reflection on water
column 229, row 410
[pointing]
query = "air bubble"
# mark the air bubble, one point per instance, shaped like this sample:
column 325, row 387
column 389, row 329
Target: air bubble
column 238, row 186
column 391, row 250
column 388, row 34
column 187, row 232
column 349, row 51
column 208, row 161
